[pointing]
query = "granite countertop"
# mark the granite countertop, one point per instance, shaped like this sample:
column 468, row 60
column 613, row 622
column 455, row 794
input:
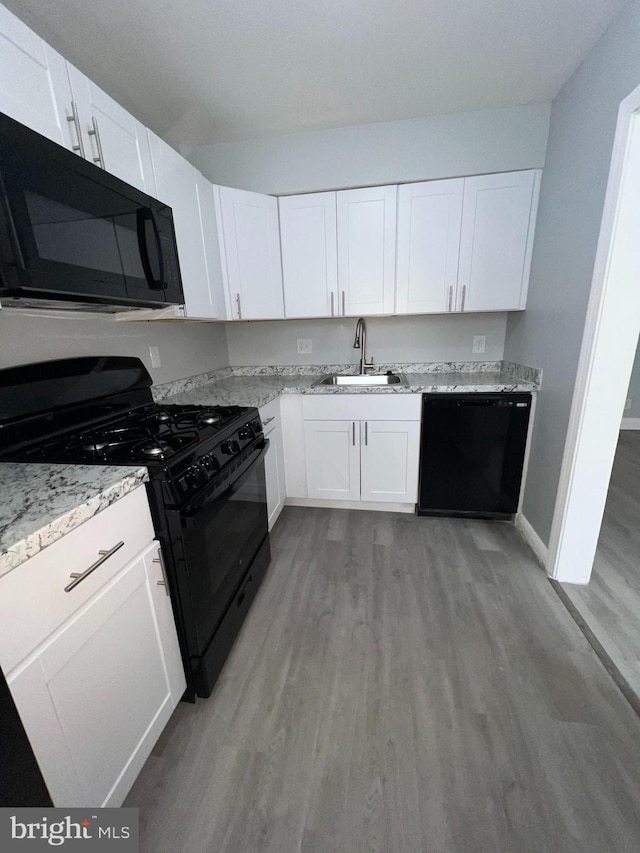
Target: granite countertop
column 260, row 390
column 41, row 503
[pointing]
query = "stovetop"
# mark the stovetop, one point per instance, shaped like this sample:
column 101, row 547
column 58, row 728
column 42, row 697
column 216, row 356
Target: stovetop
column 153, row 434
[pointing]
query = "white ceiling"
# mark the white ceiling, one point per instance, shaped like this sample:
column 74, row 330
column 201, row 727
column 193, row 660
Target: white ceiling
column 205, row 71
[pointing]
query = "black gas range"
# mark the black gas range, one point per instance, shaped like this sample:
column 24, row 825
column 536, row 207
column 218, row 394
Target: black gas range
column 206, row 488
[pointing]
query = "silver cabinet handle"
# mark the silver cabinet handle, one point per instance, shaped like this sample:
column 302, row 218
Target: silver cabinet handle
column 268, row 421
column 239, row 308
column 164, row 582
column 76, row 121
column 353, row 433
column 95, row 132
column 366, row 433
column 332, row 308
column 464, row 293
column 78, row 577
column 450, row 297
column 344, row 313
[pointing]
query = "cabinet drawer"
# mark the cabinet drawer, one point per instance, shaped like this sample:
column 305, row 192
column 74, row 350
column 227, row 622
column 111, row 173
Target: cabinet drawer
column 362, row 407
column 270, row 415
column 33, row 601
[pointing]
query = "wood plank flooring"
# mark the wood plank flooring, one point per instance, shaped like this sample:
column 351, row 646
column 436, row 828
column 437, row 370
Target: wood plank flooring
column 610, row 603
column 402, row 685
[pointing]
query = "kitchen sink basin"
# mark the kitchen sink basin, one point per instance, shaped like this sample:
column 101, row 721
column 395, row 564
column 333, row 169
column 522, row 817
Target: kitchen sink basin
column 358, row 379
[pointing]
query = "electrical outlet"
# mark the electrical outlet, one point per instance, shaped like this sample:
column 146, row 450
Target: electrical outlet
column 305, row 346
column 154, row 355
column 627, row 404
column 478, row 343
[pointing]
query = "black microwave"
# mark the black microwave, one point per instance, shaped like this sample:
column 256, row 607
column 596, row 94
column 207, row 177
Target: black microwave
column 72, row 235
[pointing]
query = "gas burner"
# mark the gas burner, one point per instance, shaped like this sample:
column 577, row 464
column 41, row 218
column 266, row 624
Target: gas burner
column 210, row 418
column 158, row 450
column 160, row 417
column 95, row 448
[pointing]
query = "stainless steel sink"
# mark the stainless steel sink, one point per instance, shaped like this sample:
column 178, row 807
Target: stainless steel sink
column 358, row 379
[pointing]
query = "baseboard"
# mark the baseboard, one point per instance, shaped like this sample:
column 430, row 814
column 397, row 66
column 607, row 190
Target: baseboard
column 630, row 423
column 371, row 505
column 532, row 539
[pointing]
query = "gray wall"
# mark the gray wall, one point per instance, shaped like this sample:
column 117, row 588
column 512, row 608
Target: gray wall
column 549, row 333
column 389, row 339
column 443, row 146
column 185, row 348
column 634, row 389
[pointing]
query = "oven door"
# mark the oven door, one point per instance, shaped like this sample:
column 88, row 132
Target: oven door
column 221, row 534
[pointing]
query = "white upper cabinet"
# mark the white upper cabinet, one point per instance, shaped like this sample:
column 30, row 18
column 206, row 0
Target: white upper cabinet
column 177, row 182
column 34, row 86
column 429, row 218
column 209, row 300
column 367, row 250
column 113, row 139
column 251, row 251
column 309, row 254
column 498, row 220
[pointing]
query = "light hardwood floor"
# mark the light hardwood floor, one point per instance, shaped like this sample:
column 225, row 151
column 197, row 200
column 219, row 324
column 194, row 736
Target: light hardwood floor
column 402, row 685
column 610, row 603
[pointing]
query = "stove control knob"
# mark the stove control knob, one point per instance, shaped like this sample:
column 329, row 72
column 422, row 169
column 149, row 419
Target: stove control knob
column 209, row 464
column 230, row 447
column 246, row 432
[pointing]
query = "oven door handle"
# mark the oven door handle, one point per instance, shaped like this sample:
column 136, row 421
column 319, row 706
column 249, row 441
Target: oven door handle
column 191, row 510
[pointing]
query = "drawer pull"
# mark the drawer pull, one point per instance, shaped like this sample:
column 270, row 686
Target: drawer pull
column 78, row 577
column 268, row 421
column 164, row 582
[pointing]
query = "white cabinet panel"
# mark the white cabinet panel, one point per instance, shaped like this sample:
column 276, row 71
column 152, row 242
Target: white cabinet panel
column 208, row 301
column 34, row 85
column 498, row 220
column 177, row 181
column 113, row 138
column 389, row 461
column 274, row 472
column 95, row 697
column 333, row 459
column 367, row 250
column 429, row 219
column 252, row 254
column 309, row 254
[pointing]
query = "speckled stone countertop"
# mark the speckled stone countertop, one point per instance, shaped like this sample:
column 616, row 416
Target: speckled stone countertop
column 260, row 390
column 40, row 503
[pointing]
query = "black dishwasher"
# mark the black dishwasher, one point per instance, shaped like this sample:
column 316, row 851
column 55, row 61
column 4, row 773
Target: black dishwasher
column 471, row 454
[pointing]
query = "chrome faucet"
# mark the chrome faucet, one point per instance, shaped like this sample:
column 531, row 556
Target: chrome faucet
column 360, row 343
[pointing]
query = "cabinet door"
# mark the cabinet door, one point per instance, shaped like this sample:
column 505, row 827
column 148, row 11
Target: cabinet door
column 390, row 460
column 34, row 86
column 95, row 698
column 274, row 472
column 498, row 218
column 367, row 250
column 333, row 459
column 252, row 254
column 176, row 180
column 429, row 218
column 209, row 301
column 113, row 138
column 309, row 254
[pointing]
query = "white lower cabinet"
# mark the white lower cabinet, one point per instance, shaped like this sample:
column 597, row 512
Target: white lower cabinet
column 95, row 694
column 362, row 447
column 274, row 461
column 333, row 460
column 389, row 453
